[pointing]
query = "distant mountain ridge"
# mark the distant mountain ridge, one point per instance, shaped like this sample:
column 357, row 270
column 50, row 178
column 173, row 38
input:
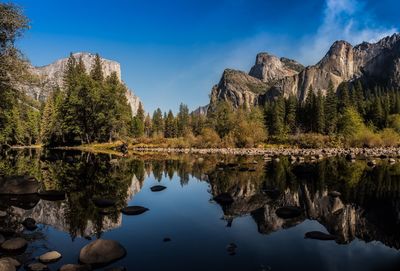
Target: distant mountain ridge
column 371, row 63
column 51, row 76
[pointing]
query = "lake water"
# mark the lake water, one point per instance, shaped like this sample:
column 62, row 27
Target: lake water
column 365, row 218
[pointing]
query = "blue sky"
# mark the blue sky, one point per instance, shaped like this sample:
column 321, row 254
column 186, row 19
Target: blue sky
column 175, row 51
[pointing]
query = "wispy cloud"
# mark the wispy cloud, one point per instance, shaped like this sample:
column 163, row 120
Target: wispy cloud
column 348, row 20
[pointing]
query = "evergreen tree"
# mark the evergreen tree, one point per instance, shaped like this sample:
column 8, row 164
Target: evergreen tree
column 158, row 122
column 170, row 129
column 278, row 117
column 310, row 111
column 221, row 118
column 320, row 113
column 97, row 71
column 344, row 96
column 331, row 117
column 147, row 126
column 291, row 113
column 183, row 120
column 138, row 122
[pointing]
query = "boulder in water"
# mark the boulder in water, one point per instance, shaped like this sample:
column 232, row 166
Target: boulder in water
column 157, row 188
column 134, row 210
column 29, row 224
column 50, row 257
column 104, row 203
column 9, row 264
column 15, row 244
column 318, row 235
column 334, row 194
column 37, row 267
column 19, row 185
column 224, row 198
column 75, row 267
column 289, row 212
column 52, row 195
column 101, row 252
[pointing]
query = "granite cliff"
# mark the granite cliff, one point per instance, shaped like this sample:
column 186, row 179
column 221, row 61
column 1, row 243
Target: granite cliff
column 50, row 76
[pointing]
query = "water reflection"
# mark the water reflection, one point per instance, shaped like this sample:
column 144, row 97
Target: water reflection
column 368, row 207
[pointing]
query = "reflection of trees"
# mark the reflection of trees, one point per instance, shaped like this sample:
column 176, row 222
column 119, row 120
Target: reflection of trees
column 368, row 207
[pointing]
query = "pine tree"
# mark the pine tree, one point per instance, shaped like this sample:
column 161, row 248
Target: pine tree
column 278, row 117
column 310, row 110
column 170, row 129
column 97, row 71
column 147, row 125
column 183, row 120
column 158, row 122
column 291, row 112
column 320, row 113
column 138, row 122
column 331, row 117
column 344, row 96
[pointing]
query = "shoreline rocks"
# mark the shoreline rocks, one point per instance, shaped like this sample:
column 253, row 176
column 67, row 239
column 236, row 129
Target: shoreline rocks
column 294, row 154
column 101, row 252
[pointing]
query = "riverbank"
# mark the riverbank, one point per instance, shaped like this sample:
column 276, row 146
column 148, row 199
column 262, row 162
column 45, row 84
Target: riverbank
column 269, row 152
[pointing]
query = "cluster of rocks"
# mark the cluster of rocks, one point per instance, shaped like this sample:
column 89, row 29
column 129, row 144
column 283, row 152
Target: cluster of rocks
column 292, row 153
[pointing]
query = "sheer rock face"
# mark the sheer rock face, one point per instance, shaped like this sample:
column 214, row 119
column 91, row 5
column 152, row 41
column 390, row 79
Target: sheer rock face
column 51, row 76
column 239, row 88
column 372, row 63
column 269, row 68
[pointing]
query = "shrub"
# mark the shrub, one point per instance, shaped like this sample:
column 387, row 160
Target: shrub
column 208, row 139
column 389, row 137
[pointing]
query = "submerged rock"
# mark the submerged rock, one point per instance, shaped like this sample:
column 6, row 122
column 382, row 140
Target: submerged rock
column 101, row 252
column 37, row 267
column 289, row 212
column 15, row 244
column 25, row 202
column 29, row 224
column 52, row 195
column 50, row 257
column 157, row 188
column 318, row 235
column 104, row 203
column 167, row 239
column 334, row 194
column 9, row 264
column 134, row 210
column 75, row 267
column 19, row 185
column 6, row 266
column 120, row 268
column 224, row 198
column 231, row 248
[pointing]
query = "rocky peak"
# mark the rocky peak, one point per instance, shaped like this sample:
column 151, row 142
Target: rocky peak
column 339, row 60
column 237, row 87
column 270, row 68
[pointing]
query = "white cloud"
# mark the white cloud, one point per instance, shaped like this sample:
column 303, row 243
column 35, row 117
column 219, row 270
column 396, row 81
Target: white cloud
column 342, row 20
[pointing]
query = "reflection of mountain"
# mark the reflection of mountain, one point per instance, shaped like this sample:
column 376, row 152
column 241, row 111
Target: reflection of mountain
column 346, row 221
column 56, row 214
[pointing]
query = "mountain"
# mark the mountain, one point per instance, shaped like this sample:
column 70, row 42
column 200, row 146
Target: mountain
column 374, row 64
column 51, row 76
column 200, row 111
